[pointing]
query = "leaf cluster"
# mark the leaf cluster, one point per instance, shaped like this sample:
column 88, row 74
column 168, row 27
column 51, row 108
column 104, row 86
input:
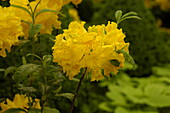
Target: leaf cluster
column 138, row 95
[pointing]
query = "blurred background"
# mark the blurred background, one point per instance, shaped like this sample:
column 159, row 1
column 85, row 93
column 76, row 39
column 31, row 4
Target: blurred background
column 145, row 90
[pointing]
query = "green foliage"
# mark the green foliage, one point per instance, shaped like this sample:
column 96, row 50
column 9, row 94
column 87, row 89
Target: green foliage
column 148, row 46
column 137, row 95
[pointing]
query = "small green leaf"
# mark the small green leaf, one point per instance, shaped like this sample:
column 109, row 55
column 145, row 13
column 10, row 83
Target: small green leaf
column 34, row 29
column 24, row 61
column 118, row 15
column 10, row 69
column 45, row 10
column 14, row 110
column 105, row 106
column 115, row 62
column 23, row 8
column 26, row 89
column 129, row 13
column 26, row 22
column 30, row 54
column 24, row 71
column 69, row 96
column 50, row 110
column 47, row 58
column 128, row 58
column 129, row 17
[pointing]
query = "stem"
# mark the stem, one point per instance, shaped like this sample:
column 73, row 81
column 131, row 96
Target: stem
column 45, row 88
column 76, row 93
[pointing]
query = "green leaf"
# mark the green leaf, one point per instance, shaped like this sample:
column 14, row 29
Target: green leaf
column 115, row 62
column 26, row 22
column 24, row 71
column 30, row 54
column 23, row 8
column 129, row 17
column 161, row 71
column 129, row 13
column 26, row 89
column 45, row 10
column 10, row 69
column 34, row 29
column 47, row 58
column 24, row 61
column 104, row 106
column 157, row 95
column 14, row 110
column 67, row 95
column 50, row 110
column 118, row 15
column 121, row 110
column 128, row 58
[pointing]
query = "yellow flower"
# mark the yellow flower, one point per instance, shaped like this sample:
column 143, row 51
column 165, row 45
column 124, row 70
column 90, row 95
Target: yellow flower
column 74, row 14
column 78, row 48
column 76, row 1
column 20, row 101
column 164, row 4
column 48, row 19
column 11, row 29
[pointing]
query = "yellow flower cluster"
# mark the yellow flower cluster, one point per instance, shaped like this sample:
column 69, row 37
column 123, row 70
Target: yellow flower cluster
column 48, row 19
column 93, row 49
column 20, row 101
column 11, row 29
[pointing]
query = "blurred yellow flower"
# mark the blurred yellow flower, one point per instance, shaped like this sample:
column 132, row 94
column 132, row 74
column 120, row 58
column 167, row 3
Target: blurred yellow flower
column 11, row 29
column 20, row 101
column 76, row 1
column 163, row 4
column 78, row 48
column 74, row 14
